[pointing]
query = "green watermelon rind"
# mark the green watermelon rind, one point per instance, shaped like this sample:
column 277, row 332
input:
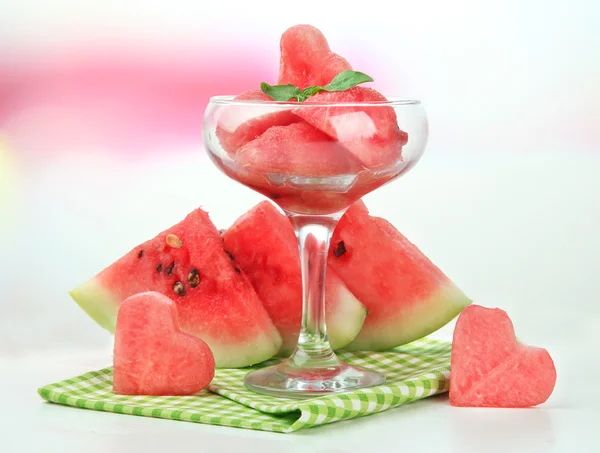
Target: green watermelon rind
column 343, row 328
column 102, row 306
column 99, row 303
column 425, row 318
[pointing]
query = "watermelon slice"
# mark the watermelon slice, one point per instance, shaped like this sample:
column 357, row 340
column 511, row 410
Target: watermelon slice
column 306, row 58
column 152, row 356
column 297, row 150
column 370, row 133
column 215, row 300
column 489, row 368
column 237, row 125
column 406, row 295
column 272, row 263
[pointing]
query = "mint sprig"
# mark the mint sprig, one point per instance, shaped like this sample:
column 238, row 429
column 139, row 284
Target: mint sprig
column 341, row 82
column 281, row 92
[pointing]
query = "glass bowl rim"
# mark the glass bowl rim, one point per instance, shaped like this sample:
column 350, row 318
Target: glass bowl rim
column 392, row 101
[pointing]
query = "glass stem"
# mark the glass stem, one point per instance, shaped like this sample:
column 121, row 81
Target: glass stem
column 313, row 349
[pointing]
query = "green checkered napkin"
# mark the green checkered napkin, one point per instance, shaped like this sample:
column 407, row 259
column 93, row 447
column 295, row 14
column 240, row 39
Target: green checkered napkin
column 413, row 372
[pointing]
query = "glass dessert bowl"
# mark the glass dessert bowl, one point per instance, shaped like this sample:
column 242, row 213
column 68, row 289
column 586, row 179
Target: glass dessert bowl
column 313, row 159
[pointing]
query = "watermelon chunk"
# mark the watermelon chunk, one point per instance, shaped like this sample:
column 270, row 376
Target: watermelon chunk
column 214, row 299
column 406, row 295
column 489, row 368
column 265, row 246
column 370, row 133
column 306, row 58
column 237, row 125
column 332, row 65
column 152, row 356
column 297, row 150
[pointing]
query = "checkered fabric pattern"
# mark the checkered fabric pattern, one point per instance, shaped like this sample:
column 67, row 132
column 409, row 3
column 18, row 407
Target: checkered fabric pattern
column 413, row 372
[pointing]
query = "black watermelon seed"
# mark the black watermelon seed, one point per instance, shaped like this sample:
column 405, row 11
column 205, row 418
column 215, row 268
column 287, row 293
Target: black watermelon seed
column 193, row 278
column 140, row 253
column 221, row 231
column 179, row 289
column 230, row 255
column 237, row 269
column 159, row 268
column 339, row 250
column 170, row 268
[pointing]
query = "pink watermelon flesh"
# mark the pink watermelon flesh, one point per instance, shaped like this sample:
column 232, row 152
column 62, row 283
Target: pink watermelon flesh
column 406, row 295
column 306, row 58
column 152, row 356
column 370, row 133
column 489, row 368
column 297, row 150
column 214, row 299
column 237, row 125
column 265, row 246
column 331, row 66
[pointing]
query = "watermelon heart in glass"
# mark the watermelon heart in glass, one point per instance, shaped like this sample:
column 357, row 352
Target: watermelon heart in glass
column 315, row 160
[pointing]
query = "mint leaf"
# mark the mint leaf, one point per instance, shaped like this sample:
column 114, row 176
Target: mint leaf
column 341, row 82
column 311, row 91
column 346, row 80
column 282, row 92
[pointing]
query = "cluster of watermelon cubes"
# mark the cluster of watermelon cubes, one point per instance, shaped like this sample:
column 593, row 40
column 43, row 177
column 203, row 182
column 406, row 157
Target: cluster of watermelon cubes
column 320, row 141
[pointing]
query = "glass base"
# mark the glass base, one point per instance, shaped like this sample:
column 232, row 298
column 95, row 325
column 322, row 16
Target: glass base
column 290, row 382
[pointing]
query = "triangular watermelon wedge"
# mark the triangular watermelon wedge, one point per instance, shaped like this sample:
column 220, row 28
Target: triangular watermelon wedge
column 272, row 262
column 215, row 301
column 407, row 296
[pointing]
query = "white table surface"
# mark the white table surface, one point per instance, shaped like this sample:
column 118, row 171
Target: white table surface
column 568, row 422
column 515, row 231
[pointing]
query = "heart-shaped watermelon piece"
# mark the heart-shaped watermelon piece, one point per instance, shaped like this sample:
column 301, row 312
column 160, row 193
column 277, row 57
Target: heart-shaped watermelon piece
column 152, row 356
column 306, row 59
column 489, row 368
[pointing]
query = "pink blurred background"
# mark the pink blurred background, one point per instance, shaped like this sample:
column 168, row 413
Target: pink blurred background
column 100, row 142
